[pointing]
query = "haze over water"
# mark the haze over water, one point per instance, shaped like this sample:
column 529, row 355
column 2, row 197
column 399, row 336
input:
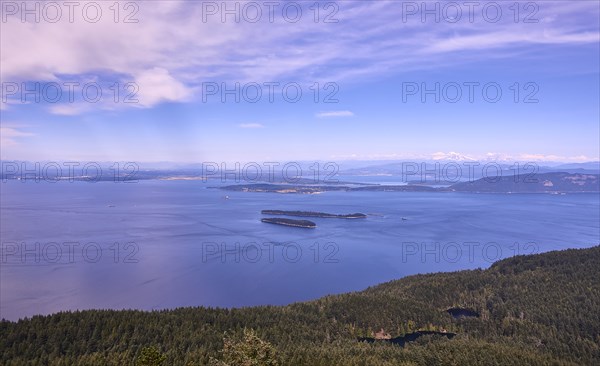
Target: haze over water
column 164, row 244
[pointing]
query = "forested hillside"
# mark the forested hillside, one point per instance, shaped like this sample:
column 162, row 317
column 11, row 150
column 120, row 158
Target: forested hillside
column 530, row 310
column 532, row 183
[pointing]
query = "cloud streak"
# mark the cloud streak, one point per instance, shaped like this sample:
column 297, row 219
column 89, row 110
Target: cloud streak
column 251, row 125
column 334, row 114
column 170, row 62
column 10, row 136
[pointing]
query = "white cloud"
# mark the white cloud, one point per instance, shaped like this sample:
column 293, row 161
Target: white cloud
column 507, row 38
column 9, row 136
column 168, row 62
column 157, row 85
column 335, row 114
column 68, row 109
column 554, row 158
column 455, row 156
column 506, row 158
column 251, row 125
column 171, row 49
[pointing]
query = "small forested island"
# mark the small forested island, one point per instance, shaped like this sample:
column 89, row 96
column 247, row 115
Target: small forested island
column 290, row 222
column 317, row 189
column 313, row 214
column 526, row 310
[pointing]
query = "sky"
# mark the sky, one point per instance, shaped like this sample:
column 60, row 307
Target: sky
column 313, row 81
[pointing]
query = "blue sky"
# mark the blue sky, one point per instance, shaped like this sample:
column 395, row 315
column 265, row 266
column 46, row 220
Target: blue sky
column 178, row 49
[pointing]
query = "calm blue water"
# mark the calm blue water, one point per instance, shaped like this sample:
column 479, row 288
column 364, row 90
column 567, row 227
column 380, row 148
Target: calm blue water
column 165, row 244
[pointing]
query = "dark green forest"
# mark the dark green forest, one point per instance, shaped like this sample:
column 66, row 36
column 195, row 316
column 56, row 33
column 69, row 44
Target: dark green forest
column 533, row 310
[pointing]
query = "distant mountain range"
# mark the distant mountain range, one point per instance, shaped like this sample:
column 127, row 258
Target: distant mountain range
column 439, row 172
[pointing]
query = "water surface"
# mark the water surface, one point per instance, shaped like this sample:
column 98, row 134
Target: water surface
column 165, row 244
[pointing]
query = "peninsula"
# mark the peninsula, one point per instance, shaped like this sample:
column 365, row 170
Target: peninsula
column 553, row 183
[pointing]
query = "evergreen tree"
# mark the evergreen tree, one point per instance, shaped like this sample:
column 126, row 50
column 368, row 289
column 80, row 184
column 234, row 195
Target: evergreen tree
column 150, row 356
column 249, row 351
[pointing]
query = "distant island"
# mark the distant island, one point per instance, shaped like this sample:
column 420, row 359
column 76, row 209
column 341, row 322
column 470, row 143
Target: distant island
column 314, row 214
column 289, row 222
column 553, row 183
column 316, row 189
column 532, row 183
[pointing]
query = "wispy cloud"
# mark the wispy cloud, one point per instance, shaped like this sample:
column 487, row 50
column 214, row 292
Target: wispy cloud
column 170, row 62
column 333, row 114
column 554, row 158
column 251, row 125
column 10, row 136
column 455, row 156
column 70, row 109
column 504, row 157
column 507, row 38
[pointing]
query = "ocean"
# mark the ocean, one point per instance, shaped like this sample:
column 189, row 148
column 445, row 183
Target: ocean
column 164, row 244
